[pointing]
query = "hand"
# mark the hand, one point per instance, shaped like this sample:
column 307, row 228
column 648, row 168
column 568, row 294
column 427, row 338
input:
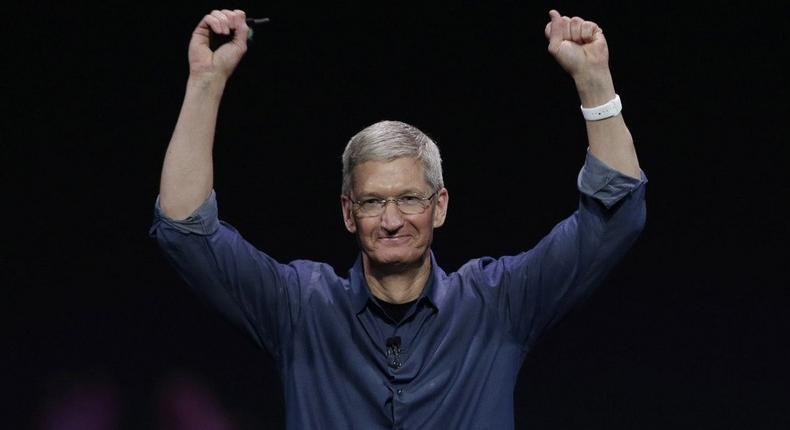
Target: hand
column 578, row 45
column 208, row 64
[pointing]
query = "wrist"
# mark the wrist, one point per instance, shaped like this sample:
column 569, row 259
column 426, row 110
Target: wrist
column 594, row 89
column 211, row 83
column 604, row 111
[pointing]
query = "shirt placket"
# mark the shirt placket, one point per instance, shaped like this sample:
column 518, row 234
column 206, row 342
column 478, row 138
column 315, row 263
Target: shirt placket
column 400, row 371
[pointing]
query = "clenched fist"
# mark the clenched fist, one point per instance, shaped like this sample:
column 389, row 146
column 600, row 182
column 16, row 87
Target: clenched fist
column 578, row 45
column 208, row 64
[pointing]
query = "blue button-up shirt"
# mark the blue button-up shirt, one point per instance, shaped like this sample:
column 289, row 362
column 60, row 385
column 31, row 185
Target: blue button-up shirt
column 460, row 346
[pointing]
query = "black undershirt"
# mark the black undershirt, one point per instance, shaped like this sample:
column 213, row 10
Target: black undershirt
column 396, row 311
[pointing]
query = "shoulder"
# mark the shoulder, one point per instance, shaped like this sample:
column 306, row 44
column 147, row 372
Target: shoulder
column 488, row 270
column 315, row 277
column 309, row 271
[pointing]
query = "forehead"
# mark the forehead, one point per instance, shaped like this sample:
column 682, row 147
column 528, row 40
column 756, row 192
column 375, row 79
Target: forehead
column 389, row 178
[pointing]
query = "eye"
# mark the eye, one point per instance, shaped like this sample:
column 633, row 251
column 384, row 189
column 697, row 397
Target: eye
column 410, row 200
column 370, row 202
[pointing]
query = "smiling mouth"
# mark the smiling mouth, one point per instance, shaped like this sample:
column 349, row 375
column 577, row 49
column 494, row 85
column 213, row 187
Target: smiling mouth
column 394, row 240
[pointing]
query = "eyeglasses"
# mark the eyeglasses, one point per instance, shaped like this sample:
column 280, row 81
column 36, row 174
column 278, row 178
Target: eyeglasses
column 408, row 205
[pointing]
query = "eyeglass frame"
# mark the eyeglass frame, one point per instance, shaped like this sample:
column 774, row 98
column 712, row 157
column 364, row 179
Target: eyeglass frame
column 396, row 201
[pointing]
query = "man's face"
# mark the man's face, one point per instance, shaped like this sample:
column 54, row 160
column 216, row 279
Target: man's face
column 393, row 239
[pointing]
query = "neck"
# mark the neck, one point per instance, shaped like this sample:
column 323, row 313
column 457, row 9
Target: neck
column 397, row 285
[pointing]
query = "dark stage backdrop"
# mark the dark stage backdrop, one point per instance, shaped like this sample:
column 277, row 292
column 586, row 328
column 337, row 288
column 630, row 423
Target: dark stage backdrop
column 690, row 331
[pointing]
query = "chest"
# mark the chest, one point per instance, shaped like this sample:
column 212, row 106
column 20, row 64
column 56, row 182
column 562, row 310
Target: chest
column 433, row 346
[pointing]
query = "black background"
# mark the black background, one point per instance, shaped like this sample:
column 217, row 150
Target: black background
column 690, row 331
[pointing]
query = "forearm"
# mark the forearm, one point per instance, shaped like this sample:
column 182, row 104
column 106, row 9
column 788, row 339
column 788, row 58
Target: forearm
column 187, row 173
column 609, row 139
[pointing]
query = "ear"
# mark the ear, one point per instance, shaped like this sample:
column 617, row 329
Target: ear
column 440, row 212
column 348, row 214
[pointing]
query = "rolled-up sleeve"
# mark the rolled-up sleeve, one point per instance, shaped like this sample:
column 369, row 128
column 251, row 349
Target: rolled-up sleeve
column 605, row 184
column 248, row 287
column 203, row 221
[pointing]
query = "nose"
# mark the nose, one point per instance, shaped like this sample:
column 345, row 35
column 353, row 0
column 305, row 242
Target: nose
column 391, row 218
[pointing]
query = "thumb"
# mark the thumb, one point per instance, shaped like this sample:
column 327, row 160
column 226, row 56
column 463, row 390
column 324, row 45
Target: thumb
column 239, row 24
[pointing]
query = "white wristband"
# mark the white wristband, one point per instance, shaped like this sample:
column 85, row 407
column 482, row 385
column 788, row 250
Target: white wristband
column 607, row 110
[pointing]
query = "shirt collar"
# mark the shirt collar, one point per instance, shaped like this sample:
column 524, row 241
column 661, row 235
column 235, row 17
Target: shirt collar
column 360, row 292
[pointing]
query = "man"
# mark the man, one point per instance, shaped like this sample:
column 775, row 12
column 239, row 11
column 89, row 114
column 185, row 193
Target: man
column 399, row 343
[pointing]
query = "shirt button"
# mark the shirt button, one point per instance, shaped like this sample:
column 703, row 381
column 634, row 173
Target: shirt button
column 400, row 391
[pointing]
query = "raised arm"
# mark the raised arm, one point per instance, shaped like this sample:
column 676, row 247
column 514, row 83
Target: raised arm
column 580, row 47
column 187, row 173
column 533, row 290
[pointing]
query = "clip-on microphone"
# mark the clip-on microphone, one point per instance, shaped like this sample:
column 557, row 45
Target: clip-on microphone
column 393, row 352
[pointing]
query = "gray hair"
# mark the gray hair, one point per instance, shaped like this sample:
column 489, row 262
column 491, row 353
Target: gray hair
column 388, row 140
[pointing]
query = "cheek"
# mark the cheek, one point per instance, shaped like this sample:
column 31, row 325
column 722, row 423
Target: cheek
column 366, row 228
column 424, row 229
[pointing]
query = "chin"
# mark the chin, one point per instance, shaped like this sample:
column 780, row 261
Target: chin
column 396, row 258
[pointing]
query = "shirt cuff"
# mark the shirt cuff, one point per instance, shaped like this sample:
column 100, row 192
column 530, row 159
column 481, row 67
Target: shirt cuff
column 605, row 184
column 203, row 221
